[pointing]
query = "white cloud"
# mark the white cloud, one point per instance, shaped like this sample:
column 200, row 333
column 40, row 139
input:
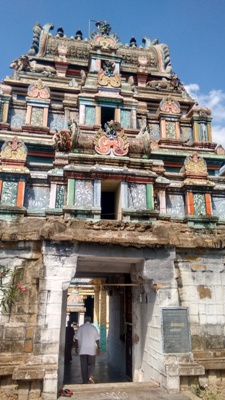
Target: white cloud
column 215, row 100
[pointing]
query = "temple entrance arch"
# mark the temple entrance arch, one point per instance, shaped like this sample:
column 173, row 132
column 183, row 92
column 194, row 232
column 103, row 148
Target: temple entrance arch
column 108, row 280
column 153, row 284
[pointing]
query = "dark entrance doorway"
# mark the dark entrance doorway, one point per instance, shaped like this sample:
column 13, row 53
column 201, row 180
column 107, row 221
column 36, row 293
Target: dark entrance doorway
column 107, row 114
column 108, row 205
column 89, row 305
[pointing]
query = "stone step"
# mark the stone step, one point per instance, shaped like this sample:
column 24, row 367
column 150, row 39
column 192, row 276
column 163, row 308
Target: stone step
column 99, row 387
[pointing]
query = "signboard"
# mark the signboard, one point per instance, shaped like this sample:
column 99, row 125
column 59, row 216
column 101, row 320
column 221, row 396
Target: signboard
column 176, row 330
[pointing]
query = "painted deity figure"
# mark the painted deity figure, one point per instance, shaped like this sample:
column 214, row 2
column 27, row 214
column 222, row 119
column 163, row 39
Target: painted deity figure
column 195, row 165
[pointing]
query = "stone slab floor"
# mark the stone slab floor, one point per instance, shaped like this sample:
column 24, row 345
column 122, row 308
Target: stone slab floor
column 111, row 384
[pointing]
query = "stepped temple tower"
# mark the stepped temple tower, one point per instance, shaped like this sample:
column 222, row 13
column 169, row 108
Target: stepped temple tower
column 108, row 172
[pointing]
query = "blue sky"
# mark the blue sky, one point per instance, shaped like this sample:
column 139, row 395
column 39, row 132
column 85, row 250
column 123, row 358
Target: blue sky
column 193, row 29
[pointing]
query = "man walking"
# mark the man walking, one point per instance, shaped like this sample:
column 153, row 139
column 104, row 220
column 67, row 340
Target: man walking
column 87, row 341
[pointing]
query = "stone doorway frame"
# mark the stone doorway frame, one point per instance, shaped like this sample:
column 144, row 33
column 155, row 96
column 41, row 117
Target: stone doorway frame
column 60, row 264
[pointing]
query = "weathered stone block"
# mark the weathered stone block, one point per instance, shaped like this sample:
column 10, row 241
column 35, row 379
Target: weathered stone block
column 28, row 346
column 22, row 309
column 17, row 347
column 5, row 347
column 15, row 333
column 6, row 370
column 29, row 332
column 28, row 373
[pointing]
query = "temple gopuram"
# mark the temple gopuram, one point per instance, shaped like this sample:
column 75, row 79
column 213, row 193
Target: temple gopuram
column 108, row 172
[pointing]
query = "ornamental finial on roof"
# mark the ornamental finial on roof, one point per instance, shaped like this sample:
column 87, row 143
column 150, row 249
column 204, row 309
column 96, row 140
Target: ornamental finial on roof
column 104, row 27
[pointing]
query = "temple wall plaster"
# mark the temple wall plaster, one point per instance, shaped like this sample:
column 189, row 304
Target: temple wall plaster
column 202, row 289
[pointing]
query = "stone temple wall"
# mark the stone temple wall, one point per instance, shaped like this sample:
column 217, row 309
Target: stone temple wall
column 32, row 336
column 202, row 289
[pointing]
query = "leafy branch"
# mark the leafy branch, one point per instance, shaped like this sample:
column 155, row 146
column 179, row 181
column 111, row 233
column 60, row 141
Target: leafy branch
column 10, row 288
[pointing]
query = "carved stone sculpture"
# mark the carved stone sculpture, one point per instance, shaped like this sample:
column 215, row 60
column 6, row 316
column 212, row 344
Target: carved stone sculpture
column 195, row 165
column 74, row 132
column 158, row 84
column 111, row 141
column 45, row 69
column 170, row 106
column 62, row 141
column 14, row 150
column 39, row 90
column 21, row 63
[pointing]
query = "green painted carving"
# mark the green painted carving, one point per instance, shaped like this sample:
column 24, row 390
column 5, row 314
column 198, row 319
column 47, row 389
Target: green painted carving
column 89, row 115
column 102, row 338
column 137, row 196
column 125, row 118
column 84, row 193
column 37, row 116
column 9, row 193
column 60, row 193
column 186, row 133
column 16, row 117
column 218, row 206
column 199, row 204
column 154, row 131
column 175, row 205
column 170, row 130
column 36, row 198
column 56, row 121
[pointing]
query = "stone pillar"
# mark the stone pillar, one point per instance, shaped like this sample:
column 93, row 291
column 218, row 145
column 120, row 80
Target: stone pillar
column 82, row 114
column 162, row 201
column 195, row 131
column 190, row 203
column 102, row 319
column 28, row 115
column 133, row 117
column 124, row 195
column 137, row 329
column 20, row 194
column 5, row 109
column 209, row 132
column 117, row 114
column 177, row 124
column 52, row 195
column 59, row 266
column 208, row 204
column 149, row 197
column 163, row 128
column 71, row 192
column 45, row 117
column 98, row 115
column 97, row 193
column 81, row 318
column 96, row 307
column 160, row 291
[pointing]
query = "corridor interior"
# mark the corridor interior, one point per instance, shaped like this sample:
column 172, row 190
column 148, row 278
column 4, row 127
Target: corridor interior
column 107, row 298
column 104, row 372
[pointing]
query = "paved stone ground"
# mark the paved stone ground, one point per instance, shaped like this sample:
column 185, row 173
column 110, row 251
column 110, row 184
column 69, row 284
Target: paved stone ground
column 123, row 391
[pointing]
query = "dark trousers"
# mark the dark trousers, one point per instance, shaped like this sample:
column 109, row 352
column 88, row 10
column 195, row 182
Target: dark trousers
column 87, row 364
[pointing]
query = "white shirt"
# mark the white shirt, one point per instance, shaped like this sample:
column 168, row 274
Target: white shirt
column 87, row 335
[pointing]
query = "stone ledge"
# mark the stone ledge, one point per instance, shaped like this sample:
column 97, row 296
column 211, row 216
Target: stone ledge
column 28, row 373
column 184, row 369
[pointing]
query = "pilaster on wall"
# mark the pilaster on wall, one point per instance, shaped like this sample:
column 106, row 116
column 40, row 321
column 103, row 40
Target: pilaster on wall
column 60, row 262
column 160, row 290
